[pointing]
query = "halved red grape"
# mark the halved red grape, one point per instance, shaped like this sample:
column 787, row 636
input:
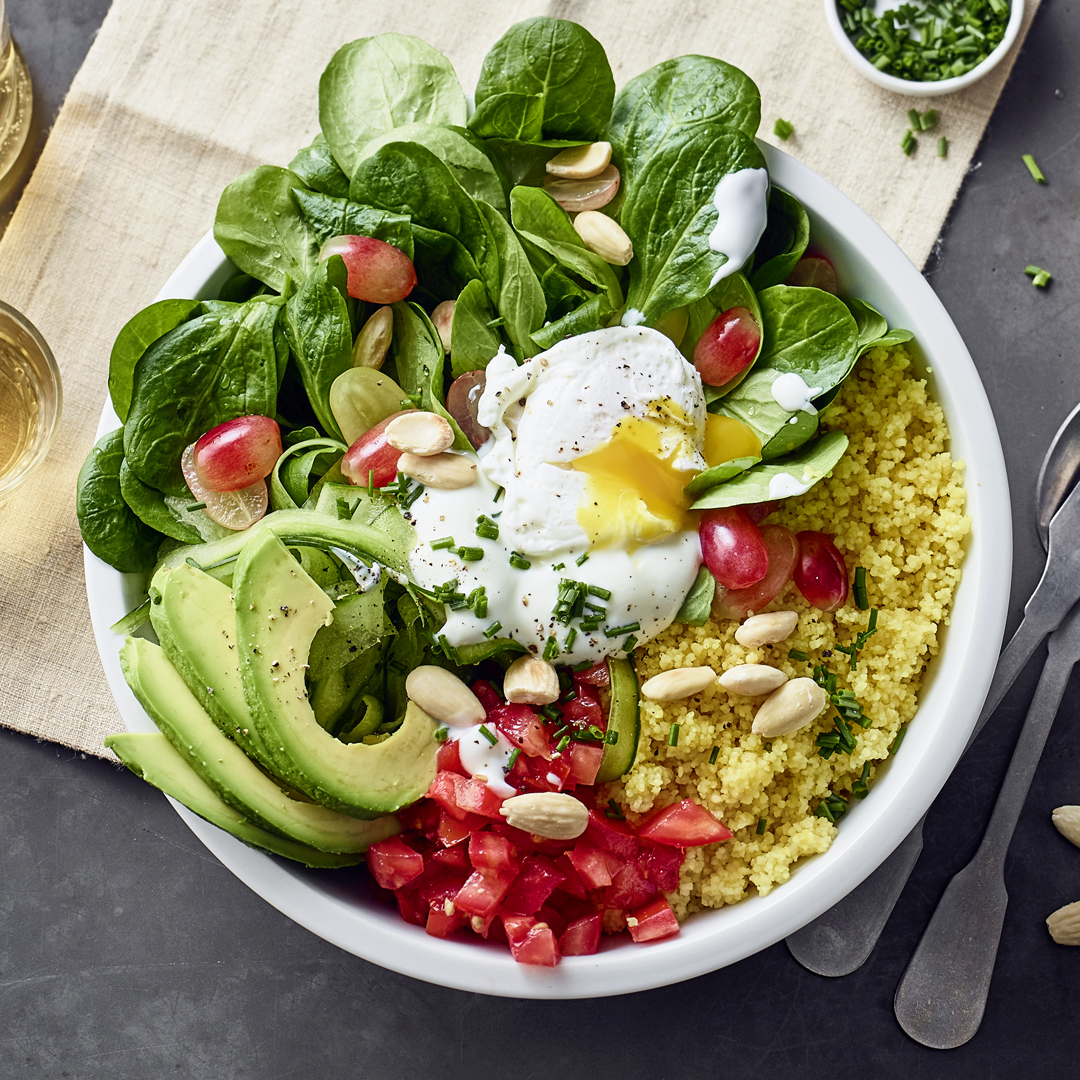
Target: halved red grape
column 378, row 271
column 591, row 194
column 815, row 271
column 728, row 345
column 820, row 572
column 371, row 456
column 732, row 547
column 758, row 512
column 783, row 551
column 235, row 510
column 462, row 401
column 237, row 453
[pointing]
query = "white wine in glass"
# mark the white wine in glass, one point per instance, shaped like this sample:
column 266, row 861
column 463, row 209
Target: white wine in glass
column 16, row 99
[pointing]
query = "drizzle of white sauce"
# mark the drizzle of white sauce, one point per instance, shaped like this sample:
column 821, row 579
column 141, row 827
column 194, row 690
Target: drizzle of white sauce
column 483, row 759
column 741, row 209
column 784, row 486
column 632, row 317
column 791, row 393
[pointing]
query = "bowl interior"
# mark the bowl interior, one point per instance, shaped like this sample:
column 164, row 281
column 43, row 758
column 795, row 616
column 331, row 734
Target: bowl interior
column 339, row 907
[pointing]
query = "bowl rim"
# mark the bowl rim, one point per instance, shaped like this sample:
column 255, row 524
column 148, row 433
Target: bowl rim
column 950, row 699
column 912, row 87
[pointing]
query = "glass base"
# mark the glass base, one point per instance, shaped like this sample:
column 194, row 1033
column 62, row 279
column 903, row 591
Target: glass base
column 16, row 108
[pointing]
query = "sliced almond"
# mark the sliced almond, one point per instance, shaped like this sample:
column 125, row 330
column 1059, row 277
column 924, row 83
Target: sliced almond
column 447, row 471
column 678, row 683
column 604, row 236
column 1064, row 924
column 373, row 342
column 443, row 320
column 581, row 162
column 530, row 680
column 1067, row 820
column 767, row 629
column 443, row 696
column 421, row 433
column 790, row 708
column 550, row 814
column 752, row 680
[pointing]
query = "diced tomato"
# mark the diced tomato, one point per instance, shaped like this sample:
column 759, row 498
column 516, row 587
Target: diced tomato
column 585, row 761
column 393, row 864
column 684, row 824
column 492, row 854
column 536, row 881
column 482, row 893
column 455, row 856
column 660, row 864
column 548, row 914
column 536, row 774
column 439, row 885
column 517, row 926
column 597, row 675
column 439, row 924
column 422, row 816
column 448, row 758
column 451, row 830
column 629, row 888
column 581, row 937
column 571, row 883
column 654, row 920
column 488, row 695
column 591, row 864
column 462, row 795
column 413, row 909
column 584, row 709
column 523, row 728
column 611, row 835
column 531, row 942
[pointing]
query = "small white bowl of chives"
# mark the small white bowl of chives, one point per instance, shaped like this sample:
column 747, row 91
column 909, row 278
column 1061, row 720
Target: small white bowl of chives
column 947, row 46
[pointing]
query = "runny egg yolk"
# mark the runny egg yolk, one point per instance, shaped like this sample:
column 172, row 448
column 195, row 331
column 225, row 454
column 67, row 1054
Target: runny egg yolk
column 727, row 438
column 635, row 494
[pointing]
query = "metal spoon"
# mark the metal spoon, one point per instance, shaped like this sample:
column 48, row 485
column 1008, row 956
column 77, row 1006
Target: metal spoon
column 840, row 940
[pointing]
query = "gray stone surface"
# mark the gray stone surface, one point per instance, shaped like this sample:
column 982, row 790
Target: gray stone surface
column 127, row 952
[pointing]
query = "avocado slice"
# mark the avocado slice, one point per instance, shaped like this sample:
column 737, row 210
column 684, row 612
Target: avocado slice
column 192, row 615
column 224, row 766
column 279, row 609
column 623, row 717
column 155, row 759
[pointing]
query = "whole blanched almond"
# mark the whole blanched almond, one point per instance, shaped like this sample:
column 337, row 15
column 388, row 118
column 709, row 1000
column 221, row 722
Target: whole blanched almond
column 447, row 471
column 790, row 708
column 752, row 679
column 581, row 162
column 1064, row 924
column 550, row 814
column 443, row 696
column 604, row 237
column 442, row 319
column 678, row 683
column 531, row 680
column 1067, row 820
column 373, row 342
column 421, row 433
column 767, row 629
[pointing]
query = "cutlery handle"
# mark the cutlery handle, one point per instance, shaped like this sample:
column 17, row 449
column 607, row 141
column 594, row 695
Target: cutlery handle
column 942, row 995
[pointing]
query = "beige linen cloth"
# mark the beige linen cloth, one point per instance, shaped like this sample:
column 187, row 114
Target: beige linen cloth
column 176, row 99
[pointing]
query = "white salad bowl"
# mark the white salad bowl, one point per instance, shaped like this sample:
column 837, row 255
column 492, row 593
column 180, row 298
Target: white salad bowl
column 913, row 87
column 340, row 906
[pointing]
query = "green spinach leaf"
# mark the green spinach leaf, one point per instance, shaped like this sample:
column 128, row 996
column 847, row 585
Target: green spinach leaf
column 520, row 299
column 110, row 528
column 211, row 369
column 260, row 228
column 319, row 333
column 330, row 216
column 787, row 232
column 149, row 506
column 544, row 78
column 720, row 474
column 697, row 606
column 379, row 83
column 473, row 341
column 594, row 313
column 315, row 165
column 732, row 292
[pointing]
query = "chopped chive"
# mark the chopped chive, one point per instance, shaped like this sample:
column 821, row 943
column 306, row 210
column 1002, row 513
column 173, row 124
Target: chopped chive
column 595, row 590
column 487, row 528
column 908, row 142
column 558, row 733
column 470, row 554
column 441, row 543
column 943, row 147
column 582, row 559
column 714, row 755
column 768, row 747
column 928, row 120
column 611, row 737
column 371, row 482
column 589, row 625
column 1034, row 169
column 211, row 566
column 559, row 566
column 492, row 630
column 595, row 733
column 584, row 665
column 441, row 734
column 512, row 760
column 614, row 811
column 551, row 712
column 486, row 732
column 1039, row 277
column 571, row 637
column 629, row 643
column 783, row 129
column 615, row 631
column 859, row 786
column 861, row 601
column 498, row 495
column 797, row 654
column 518, row 561
column 895, row 744
column 761, row 826
column 562, row 744
column 551, row 649
column 192, row 507
column 913, row 119
column 673, row 735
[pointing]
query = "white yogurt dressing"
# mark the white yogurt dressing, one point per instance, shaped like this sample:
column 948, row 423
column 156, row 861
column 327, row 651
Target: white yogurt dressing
column 632, row 317
column 741, row 209
column 784, row 486
column 483, row 759
column 791, row 393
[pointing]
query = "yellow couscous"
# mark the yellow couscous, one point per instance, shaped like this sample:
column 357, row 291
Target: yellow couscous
column 895, row 506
